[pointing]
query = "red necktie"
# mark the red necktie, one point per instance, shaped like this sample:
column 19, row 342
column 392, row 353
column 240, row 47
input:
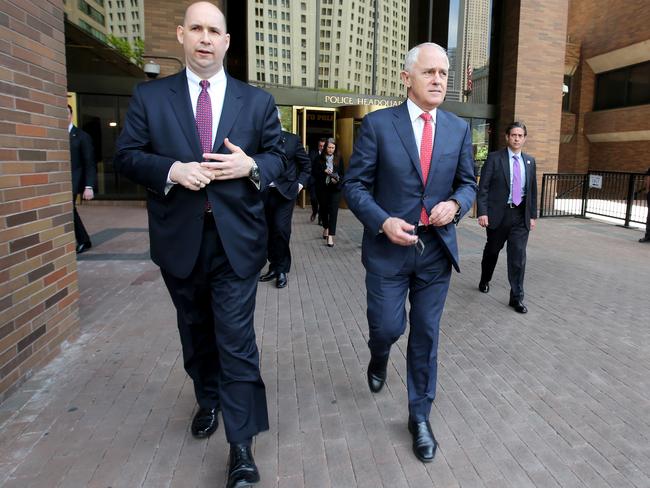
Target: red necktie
column 426, row 149
column 204, row 117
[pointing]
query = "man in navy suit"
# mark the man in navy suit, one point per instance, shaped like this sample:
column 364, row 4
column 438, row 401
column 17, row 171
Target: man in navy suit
column 507, row 208
column 279, row 201
column 410, row 179
column 84, row 177
column 203, row 144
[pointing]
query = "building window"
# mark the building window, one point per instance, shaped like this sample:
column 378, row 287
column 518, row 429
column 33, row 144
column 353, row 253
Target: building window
column 623, row 87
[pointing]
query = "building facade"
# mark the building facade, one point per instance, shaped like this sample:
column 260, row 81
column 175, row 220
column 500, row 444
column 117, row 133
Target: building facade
column 90, row 15
column 523, row 56
column 125, row 19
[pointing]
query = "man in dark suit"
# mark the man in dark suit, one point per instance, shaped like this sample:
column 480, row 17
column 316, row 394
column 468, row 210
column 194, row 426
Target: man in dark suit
column 313, row 189
column 279, row 201
column 84, row 177
column 203, row 144
column 507, row 208
column 410, row 179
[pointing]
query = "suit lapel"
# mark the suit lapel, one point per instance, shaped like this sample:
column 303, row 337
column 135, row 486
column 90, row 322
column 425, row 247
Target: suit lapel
column 404, row 129
column 232, row 105
column 441, row 128
column 180, row 101
column 527, row 169
column 505, row 165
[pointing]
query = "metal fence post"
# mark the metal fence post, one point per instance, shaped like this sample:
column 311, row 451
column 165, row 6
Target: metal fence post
column 543, row 201
column 630, row 201
column 585, row 194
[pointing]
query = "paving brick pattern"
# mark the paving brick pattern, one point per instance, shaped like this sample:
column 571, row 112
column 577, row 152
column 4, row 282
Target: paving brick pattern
column 559, row 397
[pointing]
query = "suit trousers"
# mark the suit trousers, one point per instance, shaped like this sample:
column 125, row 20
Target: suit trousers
column 647, row 223
column 425, row 278
column 278, row 211
column 80, row 234
column 215, row 321
column 512, row 230
column 329, row 208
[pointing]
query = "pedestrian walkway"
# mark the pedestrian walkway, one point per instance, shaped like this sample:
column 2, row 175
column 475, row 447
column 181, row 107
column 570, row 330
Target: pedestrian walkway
column 559, row 397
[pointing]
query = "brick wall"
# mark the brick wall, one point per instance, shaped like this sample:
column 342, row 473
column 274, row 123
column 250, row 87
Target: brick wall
column 38, row 272
column 161, row 18
column 533, row 55
column 620, row 156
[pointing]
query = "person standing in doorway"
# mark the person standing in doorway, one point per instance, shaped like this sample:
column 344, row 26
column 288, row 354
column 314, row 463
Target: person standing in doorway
column 330, row 177
column 314, row 155
column 507, row 208
column 646, row 184
column 203, row 144
column 83, row 168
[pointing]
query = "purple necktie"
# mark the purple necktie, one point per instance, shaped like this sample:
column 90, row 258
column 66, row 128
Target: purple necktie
column 204, row 117
column 516, row 180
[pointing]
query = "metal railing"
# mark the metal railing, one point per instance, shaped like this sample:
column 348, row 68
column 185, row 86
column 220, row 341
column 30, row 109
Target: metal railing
column 620, row 196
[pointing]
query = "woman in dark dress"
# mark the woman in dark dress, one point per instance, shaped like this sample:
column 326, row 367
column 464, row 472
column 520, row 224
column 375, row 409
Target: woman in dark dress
column 328, row 181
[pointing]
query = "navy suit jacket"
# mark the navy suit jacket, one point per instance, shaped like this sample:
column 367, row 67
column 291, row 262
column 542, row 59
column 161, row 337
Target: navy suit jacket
column 82, row 161
column 384, row 179
column 298, row 167
column 160, row 129
column 494, row 188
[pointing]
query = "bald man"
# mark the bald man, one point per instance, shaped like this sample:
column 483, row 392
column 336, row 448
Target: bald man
column 203, row 144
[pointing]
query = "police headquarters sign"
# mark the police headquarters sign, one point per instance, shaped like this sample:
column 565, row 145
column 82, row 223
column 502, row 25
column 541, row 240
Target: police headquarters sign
column 338, row 100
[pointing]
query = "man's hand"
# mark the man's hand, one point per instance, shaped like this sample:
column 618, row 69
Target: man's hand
column 228, row 166
column 191, row 175
column 399, row 231
column 533, row 224
column 483, row 220
column 443, row 213
column 88, row 194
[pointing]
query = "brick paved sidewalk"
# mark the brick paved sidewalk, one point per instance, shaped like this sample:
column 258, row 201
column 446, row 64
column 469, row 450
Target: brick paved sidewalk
column 559, row 397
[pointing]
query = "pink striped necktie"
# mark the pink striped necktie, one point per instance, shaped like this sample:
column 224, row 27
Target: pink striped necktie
column 426, row 149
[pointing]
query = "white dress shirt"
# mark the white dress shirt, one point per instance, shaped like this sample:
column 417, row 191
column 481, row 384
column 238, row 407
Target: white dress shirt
column 522, row 172
column 418, row 122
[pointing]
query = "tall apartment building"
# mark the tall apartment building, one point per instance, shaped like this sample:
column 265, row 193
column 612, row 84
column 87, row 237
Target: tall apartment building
column 126, row 19
column 343, row 45
column 472, row 53
column 90, row 15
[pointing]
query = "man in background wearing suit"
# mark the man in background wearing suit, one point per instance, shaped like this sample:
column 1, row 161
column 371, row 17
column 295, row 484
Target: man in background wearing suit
column 410, row 180
column 84, row 177
column 313, row 189
column 507, row 208
column 203, row 144
column 279, row 201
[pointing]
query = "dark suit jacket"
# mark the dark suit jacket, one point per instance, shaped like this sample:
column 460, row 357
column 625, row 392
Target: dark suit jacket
column 160, row 129
column 321, row 177
column 82, row 161
column 494, row 187
column 384, row 179
column 298, row 167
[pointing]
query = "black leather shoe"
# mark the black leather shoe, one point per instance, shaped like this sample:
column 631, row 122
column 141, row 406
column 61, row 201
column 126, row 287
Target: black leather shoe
column 518, row 305
column 83, row 247
column 205, row 422
column 484, row 287
column 268, row 276
column 644, row 239
column 424, row 442
column 241, row 467
column 281, row 280
column 377, row 373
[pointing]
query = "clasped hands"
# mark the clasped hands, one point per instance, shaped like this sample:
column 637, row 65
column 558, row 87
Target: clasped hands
column 195, row 176
column 402, row 233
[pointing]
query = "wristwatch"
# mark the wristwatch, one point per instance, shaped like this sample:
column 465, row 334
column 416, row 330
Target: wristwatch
column 254, row 174
column 457, row 216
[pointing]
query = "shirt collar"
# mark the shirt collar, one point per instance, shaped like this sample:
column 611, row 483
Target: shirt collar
column 511, row 154
column 70, row 126
column 415, row 111
column 214, row 80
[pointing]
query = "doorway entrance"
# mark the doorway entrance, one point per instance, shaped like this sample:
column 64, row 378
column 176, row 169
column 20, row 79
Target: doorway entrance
column 312, row 123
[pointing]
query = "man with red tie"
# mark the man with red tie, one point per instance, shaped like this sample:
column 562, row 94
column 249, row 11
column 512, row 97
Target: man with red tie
column 203, row 144
column 507, row 208
column 410, row 179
